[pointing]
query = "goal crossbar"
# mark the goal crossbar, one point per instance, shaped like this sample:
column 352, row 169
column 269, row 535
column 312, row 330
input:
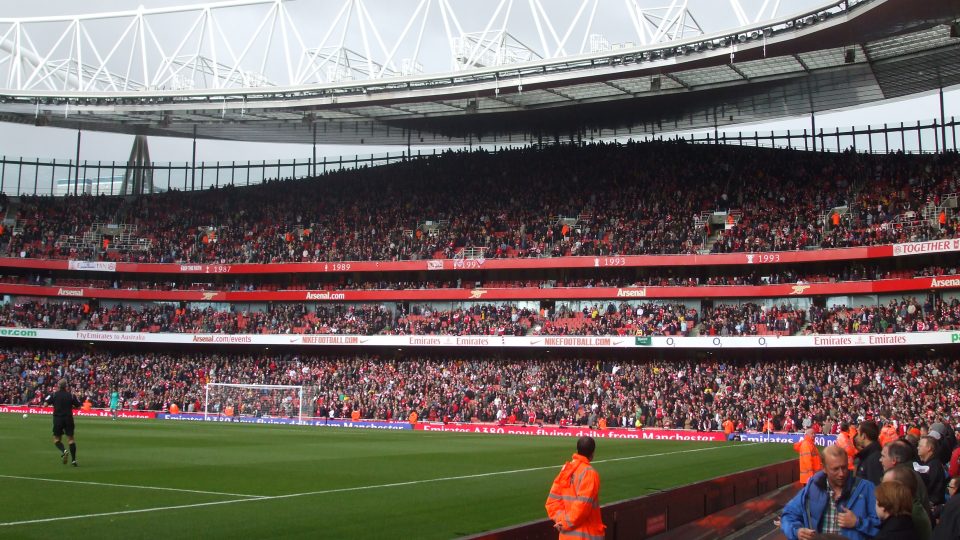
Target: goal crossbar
column 267, row 386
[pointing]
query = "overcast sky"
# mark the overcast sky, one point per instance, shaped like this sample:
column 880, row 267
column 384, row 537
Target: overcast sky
column 713, row 15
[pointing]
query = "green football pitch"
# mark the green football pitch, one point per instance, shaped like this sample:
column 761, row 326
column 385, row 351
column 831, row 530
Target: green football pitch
column 165, row 479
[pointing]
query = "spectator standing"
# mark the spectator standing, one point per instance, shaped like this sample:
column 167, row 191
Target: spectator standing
column 949, row 526
column 931, row 471
column 946, row 442
column 893, row 509
column 833, row 501
column 920, row 518
column 868, row 458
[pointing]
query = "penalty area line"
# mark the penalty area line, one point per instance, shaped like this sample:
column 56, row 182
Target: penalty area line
column 255, row 498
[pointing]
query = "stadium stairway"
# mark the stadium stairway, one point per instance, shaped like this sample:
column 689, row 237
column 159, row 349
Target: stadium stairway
column 10, row 216
column 750, row 520
column 711, row 240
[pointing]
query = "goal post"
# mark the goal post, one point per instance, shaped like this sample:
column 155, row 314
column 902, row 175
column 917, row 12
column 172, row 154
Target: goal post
column 258, row 400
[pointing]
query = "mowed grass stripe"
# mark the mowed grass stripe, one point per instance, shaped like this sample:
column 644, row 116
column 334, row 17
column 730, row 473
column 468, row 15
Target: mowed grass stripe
column 255, row 498
column 375, row 484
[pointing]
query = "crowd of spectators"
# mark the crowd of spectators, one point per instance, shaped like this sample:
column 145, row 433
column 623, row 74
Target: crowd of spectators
column 645, row 319
column 609, row 318
column 170, row 317
column 731, row 277
column 750, row 319
column 683, row 394
column 905, row 315
column 479, row 319
column 602, row 199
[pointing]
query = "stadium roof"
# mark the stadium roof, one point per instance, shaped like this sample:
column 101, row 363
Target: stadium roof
column 844, row 54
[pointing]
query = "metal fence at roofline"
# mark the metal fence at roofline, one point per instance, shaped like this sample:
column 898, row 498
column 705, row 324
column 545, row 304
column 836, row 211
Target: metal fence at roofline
column 22, row 176
column 931, row 138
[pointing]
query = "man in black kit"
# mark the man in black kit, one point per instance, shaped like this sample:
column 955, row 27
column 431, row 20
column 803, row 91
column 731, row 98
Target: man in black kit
column 63, row 404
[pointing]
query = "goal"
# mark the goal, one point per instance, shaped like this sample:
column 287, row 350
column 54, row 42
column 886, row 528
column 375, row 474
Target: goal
column 258, row 400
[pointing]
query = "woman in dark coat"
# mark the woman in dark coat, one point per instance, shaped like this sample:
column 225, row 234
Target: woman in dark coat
column 894, row 506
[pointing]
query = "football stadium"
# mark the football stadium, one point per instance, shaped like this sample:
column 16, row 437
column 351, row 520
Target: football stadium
column 511, row 253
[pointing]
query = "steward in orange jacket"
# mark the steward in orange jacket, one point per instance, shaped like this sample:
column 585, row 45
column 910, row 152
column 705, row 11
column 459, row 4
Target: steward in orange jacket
column 845, row 441
column 809, row 456
column 574, row 501
column 888, row 434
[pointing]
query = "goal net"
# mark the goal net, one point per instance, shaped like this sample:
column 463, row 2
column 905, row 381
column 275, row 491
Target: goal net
column 259, row 401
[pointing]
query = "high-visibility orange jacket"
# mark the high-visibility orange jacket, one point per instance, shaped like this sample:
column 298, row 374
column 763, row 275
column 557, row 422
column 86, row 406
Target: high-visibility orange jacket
column 574, row 501
column 844, row 441
column 809, row 458
column 888, row 434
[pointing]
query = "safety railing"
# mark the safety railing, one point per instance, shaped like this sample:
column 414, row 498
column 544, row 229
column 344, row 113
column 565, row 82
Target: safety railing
column 36, row 176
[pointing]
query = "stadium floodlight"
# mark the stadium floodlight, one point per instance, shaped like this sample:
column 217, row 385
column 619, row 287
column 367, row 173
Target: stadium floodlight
column 257, row 401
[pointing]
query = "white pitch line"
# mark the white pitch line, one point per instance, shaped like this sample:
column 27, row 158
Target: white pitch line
column 255, row 498
column 670, row 453
column 124, row 512
column 130, row 486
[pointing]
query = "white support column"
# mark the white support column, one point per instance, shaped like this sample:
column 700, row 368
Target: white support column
column 79, row 46
column 309, row 67
column 423, row 24
column 246, row 49
column 561, row 43
column 534, row 4
column 167, row 61
column 586, row 33
column 474, row 53
column 143, row 47
column 403, row 34
column 273, row 25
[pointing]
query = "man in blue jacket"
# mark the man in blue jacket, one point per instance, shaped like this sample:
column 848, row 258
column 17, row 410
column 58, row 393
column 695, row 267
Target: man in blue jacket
column 833, row 501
